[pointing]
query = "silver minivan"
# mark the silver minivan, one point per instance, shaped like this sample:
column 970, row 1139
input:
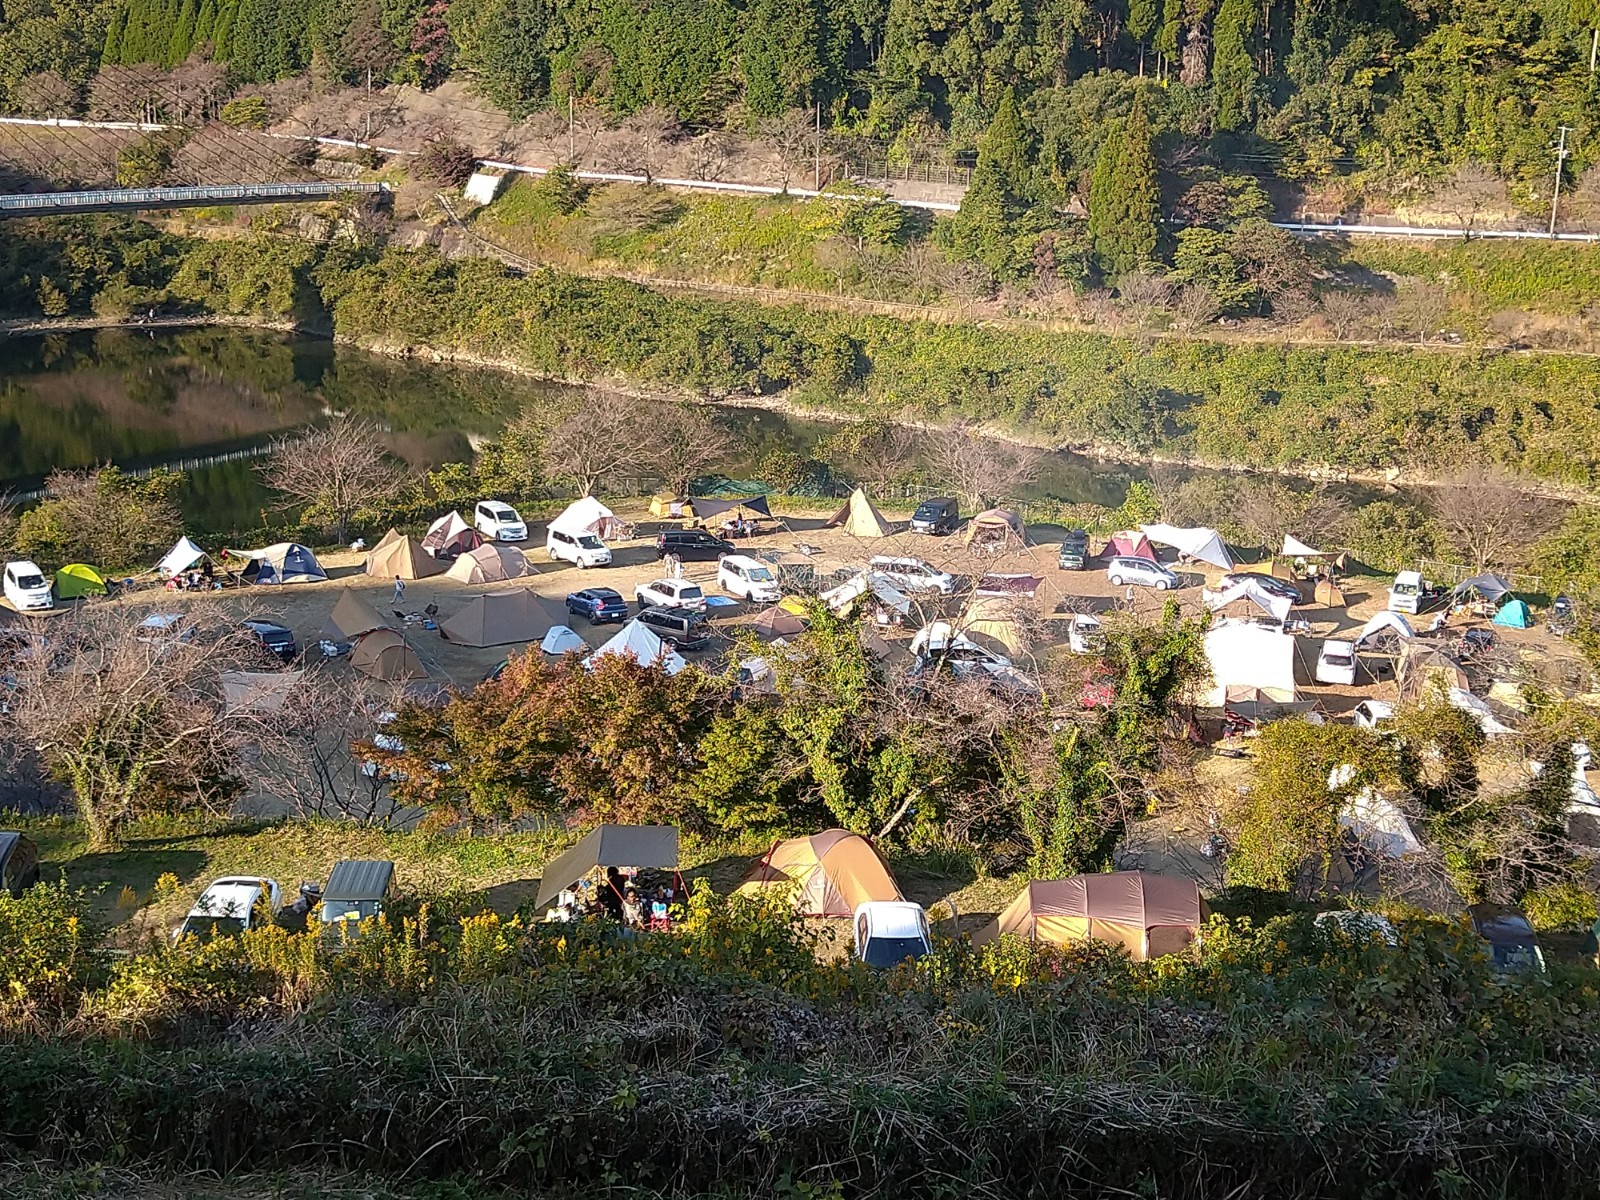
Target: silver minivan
column 1142, row 572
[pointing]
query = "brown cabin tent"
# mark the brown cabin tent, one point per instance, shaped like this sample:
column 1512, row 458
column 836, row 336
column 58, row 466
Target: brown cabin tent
column 832, row 872
column 384, row 654
column 609, row 846
column 402, row 558
column 489, row 563
column 352, row 617
column 19, row 864
column 997, row 527
column 1148, row 915
column 859, row 518
column 497, row 619
column 1328, row 594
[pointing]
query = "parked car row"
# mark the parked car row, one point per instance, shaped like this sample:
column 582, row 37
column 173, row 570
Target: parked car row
column 355, row 891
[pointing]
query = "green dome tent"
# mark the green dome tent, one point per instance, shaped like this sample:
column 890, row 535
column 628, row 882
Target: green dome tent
column 79, row 579
column 1514, row 614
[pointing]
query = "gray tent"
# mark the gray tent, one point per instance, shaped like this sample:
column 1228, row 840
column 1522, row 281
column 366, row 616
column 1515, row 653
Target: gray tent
column 609, row 846
column 1491, row 587
column 706, row 507
column 19, row 864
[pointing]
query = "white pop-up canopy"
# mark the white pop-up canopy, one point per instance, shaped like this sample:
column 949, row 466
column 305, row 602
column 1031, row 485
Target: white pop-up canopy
column 641, row 644
column 1199, row 543
column 1251, row 656
column 180, row 558
column 1383, row 625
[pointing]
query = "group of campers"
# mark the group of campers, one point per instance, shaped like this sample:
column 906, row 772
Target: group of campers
column 623, row 897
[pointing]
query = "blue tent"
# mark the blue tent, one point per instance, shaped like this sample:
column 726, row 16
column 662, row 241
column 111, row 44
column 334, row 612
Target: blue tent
column 1515, row 614
column 287, row 562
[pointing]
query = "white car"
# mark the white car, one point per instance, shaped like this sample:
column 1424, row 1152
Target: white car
column 913, row 575
column 1405, row 595
column 27, row 588
column 749, row 579
column 888, row 932
column 1370, row 714
column 499, row 522
column 1337, row 663
column 1141, row 571
column 583, row 549
column 1358, row 925
column 232, row 904
column 670, row 593
column 1085, row 635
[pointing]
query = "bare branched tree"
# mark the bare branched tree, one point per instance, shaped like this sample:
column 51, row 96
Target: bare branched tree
column 1195, row 306
column 1344, row 312
column 131, row 715
column 1473, row 189
column 643, row 144
column 687, row 445
column 1491, row 519
column 604, row 436
column 338, row 472
column 1422, row 307
column 982, row 470
column 793, row 138
column 710, row 155
column 1267, row 509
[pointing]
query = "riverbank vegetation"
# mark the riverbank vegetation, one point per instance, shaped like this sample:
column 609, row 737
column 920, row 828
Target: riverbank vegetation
column 1339, row 410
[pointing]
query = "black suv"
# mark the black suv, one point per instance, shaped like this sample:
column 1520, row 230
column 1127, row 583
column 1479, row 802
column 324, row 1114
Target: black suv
column 938, row 516
column 273, row 638
column 682, row 628
column 1074, row 551
column 691, row 545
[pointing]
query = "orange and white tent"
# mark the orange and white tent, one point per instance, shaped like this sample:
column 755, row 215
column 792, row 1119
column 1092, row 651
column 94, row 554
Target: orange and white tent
column 1148, row 915
column 832, row 873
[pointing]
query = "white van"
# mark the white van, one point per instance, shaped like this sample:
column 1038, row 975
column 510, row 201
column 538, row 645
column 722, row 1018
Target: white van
column 26, row 587
column 1405, row 596
column 584, row 549
column 888, row 932
column 913, row 575
column 749, row 578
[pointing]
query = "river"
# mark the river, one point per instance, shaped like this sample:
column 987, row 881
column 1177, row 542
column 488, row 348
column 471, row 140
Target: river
column 208, row 400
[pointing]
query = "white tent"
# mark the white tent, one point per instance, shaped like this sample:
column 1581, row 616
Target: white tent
column 180, row 558
column 1252, row 656
column 1478, row 710
column 1379, row 825
column 588, row 515
column 840, row 598
column 1293, row 547
column 1381, row 621
column 1273, row 605
column 562, row 640
column 642, row 645
column 1199, row 543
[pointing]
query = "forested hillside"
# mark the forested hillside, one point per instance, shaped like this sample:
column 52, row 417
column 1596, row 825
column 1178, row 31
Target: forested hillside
column 1397, row 89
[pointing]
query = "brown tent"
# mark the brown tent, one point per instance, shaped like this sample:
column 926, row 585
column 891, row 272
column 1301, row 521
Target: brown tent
column 779, row 622
column 403, row 558
column 498, row 618
column 1148, row 915
column 996, row 527
column 489, row 563
column 352, row 617
column 832, row 873
column 1419, row 663
column 859, row 518
column 394, row 535
column 1328, row 594
column 384, row 654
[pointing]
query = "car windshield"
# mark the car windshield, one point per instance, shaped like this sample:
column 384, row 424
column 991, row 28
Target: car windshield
column 30, row 581
column 504, row 514
column 886, row 952
column 589, row 542
column 758, row 574
column 691, row 593
column 1339, row 660
column 1406, row 589
column 207, row 927
column 348, row 910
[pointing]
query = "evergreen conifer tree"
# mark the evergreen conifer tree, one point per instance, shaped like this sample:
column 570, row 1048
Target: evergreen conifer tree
column 1124, row 203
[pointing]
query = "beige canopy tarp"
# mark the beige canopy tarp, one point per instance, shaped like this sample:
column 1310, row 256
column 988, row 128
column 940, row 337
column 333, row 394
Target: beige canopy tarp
column 259, row 691
column 384, row 654
column 1149, row 915
column 609, row 846
column 498, row 618
column 489, row 563
column 991, row 621
column 859, row 518
column 832, row 873
column 352, row 617
column 402, row 558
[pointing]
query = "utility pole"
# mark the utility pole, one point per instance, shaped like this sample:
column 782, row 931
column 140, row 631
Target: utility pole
column 816, row 149
column 1594, row 50
column 1561, row 158
column 572, row 144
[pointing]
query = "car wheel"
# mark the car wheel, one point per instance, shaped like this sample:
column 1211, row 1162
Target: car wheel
column 551, row 553
column 1162, row 585
column 1116, row 581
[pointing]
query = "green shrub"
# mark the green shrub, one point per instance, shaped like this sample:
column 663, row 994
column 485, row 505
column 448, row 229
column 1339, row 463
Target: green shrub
column 245, row 112
column 1561, row 908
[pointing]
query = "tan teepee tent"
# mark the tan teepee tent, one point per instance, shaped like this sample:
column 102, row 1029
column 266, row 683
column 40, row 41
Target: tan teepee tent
column 859, row 518
column 402, row 558
column 352, row 617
